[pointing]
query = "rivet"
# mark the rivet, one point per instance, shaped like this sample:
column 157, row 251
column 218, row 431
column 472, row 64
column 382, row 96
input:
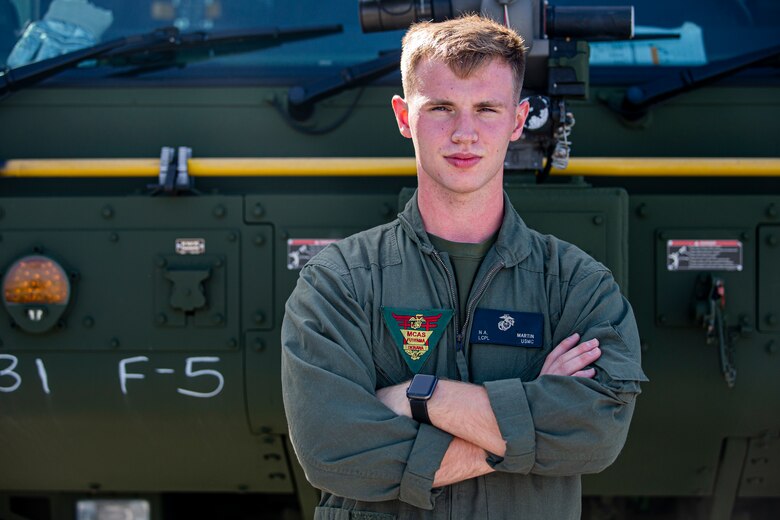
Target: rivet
column 771, row 240
column 259, row 317
column 231, row 343
column 598, row 220
column 218, row 263
column 88, row 321
column 269, row 439
column 662, row 318
column 641, row 210
column 645, row 346
column 161, row 318
column 386, row 211
column 243, row 488
column 219, row 211
column 258, row 210
column 771, row 347
column 277, row 476
column 259, row 345
column 232, row 237
column 771, row 319
column 114, row 342
column 217, row 319
column 771, row 211
column 107, row 211
column 272, row 456
column 662, row 235
column 259, row 239
column 113, row 237
column 161, row 262
column 744, row 236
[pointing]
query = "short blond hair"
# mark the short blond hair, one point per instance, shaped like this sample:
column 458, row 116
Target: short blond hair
column 465, row 44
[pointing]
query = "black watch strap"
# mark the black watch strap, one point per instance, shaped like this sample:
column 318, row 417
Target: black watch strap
column 420, row 410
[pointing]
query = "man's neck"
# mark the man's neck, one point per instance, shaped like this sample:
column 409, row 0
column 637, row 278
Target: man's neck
column 471, row 218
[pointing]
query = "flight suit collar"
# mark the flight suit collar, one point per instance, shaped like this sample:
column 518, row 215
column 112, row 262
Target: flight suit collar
column 513, row 244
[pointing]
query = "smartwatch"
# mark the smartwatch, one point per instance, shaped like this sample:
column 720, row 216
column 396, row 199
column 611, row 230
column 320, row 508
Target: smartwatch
column 420, row 390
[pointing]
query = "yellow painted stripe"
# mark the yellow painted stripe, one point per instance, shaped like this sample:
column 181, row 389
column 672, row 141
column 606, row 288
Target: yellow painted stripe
column 388, row 166
column 672, row 167
column 306, row 166
column 80, row 168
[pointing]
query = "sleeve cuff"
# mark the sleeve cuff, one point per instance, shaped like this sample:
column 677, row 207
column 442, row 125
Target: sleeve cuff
column 425, row 459
column 510, row 406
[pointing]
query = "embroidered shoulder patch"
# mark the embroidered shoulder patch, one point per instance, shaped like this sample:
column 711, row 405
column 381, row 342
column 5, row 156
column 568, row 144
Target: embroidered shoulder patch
column 416, row 332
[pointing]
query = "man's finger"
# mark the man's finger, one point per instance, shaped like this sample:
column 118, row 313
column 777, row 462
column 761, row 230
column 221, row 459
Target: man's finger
column 577, row 363
column 587, row 373
column 580, row 350
column 560, row 349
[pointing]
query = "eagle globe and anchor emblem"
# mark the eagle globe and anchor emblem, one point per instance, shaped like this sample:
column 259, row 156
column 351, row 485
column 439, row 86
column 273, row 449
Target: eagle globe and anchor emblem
column 506, row 323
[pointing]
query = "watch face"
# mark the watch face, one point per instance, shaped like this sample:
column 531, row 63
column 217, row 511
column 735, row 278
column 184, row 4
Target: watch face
column 421, row 387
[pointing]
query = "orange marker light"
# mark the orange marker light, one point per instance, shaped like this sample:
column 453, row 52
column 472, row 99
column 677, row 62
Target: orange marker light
column 36, row 279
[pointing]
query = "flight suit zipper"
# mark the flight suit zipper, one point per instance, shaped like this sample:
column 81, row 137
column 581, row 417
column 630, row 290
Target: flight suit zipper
column 460, row 336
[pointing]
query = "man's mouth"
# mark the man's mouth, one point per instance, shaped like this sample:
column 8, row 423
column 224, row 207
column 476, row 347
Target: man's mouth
column 462, row 160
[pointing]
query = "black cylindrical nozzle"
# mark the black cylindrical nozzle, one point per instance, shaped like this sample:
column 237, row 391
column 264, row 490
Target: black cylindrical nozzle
column 388, row 15
column 590, row 23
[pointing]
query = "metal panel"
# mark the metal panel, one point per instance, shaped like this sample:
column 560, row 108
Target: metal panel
column 676, row 290
column 594, row 219
column 123, row 293
column 761, row 475
column 768, row 317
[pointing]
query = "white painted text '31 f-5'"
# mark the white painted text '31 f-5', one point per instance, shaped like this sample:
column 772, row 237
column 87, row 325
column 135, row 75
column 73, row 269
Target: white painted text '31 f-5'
column 11, row 380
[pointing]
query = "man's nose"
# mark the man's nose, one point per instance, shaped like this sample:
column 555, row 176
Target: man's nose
column 465, row 130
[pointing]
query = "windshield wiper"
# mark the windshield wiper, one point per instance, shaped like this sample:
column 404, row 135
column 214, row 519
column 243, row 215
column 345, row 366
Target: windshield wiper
column 638, row 99
column 167, row 43
column 301, row 98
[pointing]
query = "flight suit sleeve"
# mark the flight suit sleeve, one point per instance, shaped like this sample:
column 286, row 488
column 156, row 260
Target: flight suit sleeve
column 564, row 425
column 348, row 442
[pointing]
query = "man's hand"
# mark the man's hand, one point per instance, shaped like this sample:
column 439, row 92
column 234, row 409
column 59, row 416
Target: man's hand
column 569, row 360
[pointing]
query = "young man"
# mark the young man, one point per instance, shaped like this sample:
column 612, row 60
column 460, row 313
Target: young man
column 432, row 367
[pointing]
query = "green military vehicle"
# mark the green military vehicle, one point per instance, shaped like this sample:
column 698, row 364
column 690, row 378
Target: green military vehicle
column 170, row 165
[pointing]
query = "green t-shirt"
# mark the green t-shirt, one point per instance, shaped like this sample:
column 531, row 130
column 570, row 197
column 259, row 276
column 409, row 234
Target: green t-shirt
column 466, row 259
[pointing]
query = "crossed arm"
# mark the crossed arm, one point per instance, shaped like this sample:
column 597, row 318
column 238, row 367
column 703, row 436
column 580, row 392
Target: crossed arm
column 463, row 410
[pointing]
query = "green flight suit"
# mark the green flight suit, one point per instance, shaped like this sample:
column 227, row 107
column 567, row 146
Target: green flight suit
column 337, row 350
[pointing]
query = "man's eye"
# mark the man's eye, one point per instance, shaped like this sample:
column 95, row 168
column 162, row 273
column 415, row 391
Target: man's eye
column 487, row 109
column 440, row 109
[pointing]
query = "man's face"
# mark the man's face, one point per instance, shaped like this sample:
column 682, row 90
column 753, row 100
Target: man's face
column 460, row 127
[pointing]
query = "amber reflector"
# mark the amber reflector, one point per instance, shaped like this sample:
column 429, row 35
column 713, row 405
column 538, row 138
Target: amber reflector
column 36, row 279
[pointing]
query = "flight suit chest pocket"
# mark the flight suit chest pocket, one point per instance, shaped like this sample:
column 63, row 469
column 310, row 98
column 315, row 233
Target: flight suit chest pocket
column 506, row 344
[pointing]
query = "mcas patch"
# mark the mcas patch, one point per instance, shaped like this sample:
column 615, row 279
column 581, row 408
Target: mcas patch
column 516, row 329
column 416, row 332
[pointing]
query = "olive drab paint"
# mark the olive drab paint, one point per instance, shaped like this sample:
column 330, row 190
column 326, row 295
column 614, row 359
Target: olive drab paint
column 183, row 189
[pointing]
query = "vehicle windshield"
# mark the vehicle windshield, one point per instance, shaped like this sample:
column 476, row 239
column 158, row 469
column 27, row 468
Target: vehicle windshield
column 697, row 32
column 694, row 32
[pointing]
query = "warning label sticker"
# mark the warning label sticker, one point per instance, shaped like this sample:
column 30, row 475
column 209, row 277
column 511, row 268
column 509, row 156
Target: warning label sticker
column 704, row 255
column 301, row 250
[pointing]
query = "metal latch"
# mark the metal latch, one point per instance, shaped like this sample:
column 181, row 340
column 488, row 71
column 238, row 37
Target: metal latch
column 187, row 293
column 174, row 176
column 711, row 312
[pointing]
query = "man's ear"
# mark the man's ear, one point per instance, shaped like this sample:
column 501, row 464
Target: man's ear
column 521, row 114
column 401, row 110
